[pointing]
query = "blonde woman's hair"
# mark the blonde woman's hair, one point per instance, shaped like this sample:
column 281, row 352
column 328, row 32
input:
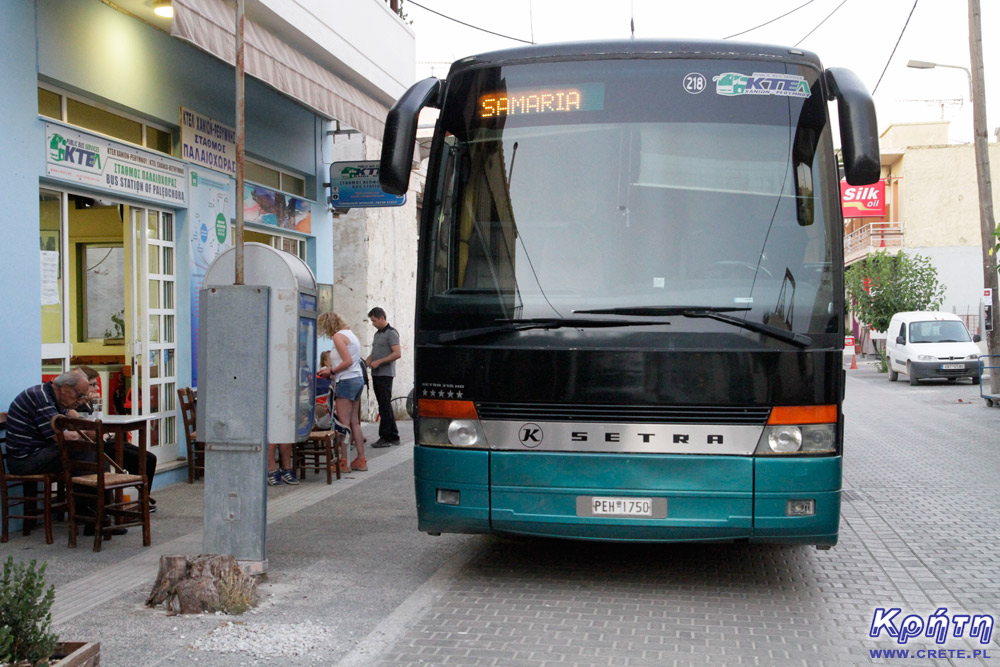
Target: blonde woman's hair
column 330, row 323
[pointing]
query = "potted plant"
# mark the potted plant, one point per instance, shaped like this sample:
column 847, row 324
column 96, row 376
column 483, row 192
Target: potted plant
column 26, row 619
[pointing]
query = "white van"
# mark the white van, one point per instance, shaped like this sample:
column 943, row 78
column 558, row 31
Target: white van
column 927, row 344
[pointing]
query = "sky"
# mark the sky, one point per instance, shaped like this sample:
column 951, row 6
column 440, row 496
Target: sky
column 857, row 34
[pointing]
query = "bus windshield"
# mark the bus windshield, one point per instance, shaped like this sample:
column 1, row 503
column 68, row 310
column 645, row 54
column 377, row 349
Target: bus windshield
column 608, row 185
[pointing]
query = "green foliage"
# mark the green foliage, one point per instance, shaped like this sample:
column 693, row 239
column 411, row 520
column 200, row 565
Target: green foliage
column 885, row 284
column 25, row 614
column 237, row 592
column 118, row 321
column 883, row 361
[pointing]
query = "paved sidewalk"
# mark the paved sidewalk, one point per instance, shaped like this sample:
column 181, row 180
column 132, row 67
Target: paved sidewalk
column 326, row 587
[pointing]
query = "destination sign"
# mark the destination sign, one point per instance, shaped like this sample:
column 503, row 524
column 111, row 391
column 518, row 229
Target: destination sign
column 568, row 99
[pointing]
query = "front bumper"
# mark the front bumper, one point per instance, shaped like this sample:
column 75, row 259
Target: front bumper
column 708, row 498
column 936, row 369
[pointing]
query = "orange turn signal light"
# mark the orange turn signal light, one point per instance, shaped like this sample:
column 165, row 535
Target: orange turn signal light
column 803, row 414
column 433, row 407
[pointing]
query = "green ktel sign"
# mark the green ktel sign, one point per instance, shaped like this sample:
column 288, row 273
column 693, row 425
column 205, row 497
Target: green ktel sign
column 87, row 159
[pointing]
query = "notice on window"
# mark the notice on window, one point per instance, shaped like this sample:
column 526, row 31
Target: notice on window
column 50, row 278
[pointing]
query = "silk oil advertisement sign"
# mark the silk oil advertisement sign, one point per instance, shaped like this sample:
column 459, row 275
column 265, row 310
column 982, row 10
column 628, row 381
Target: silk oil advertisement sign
column 863, row 201
column 79, row 157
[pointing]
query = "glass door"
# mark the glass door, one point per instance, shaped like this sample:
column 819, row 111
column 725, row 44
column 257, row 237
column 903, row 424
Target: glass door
column 56, row 346
column 154, row 329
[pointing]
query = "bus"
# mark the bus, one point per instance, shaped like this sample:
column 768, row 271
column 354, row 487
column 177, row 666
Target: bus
column 630, row 302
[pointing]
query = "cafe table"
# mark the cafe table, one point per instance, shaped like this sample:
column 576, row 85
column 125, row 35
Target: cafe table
column 120, row 426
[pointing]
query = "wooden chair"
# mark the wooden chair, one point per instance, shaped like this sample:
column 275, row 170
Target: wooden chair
column 320, row 452
column 93, row 482
column 196, row 450
column 26, row 491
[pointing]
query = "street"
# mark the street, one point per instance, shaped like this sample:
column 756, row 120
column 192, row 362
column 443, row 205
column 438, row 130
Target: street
column 354, row 583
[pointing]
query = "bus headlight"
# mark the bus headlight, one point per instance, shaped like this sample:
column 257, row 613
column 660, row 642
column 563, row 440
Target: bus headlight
column 798, row 439
column 451, row 433
column 784, row 439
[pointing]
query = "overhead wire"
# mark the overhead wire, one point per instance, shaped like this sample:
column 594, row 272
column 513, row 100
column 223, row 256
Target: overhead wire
column 469, row 25
column 898, row 39
column 767, row 22
column 820, row 23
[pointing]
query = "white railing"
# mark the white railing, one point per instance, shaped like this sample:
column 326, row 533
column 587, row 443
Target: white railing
column 871, row 238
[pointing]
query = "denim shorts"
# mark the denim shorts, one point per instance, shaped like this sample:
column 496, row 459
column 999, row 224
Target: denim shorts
column 350, row 388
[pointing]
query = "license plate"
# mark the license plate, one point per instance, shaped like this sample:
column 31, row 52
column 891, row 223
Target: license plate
column 952, row 367
column 621, row 506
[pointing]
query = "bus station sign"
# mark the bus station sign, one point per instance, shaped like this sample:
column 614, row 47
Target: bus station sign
column 93, row 161
column 355, row 185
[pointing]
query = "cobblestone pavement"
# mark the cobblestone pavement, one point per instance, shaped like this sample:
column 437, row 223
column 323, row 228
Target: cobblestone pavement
column 919, row 532
column 352, row 583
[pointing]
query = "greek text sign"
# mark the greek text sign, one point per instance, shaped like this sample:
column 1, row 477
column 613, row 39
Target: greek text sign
column 79, row 157
column 355, row 185
column 207, row 142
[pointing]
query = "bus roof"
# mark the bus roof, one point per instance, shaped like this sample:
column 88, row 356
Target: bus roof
column 638, row 48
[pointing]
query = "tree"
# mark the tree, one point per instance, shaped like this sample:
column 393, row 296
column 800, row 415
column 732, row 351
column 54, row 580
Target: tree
column 885, row 284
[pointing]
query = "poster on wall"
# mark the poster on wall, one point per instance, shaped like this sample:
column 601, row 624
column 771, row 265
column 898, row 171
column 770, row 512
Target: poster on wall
column 88, row 159
column 213, row 206
column 267, row 207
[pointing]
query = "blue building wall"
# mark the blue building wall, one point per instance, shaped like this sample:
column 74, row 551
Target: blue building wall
column 88, row 48
column 21, row 143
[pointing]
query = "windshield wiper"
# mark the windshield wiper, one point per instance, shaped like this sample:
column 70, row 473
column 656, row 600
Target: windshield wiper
column 711, row 312
column 507, row 326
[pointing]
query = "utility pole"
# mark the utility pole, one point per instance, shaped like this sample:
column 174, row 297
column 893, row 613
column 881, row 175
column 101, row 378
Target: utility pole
column 986, row 221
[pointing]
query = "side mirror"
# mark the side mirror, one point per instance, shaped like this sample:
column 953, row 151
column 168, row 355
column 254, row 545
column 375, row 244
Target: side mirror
column 900, row 340
column 401, row 133
column 976, row 338
column 858, row 126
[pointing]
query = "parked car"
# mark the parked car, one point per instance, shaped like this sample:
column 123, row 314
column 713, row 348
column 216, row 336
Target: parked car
column 928, row 344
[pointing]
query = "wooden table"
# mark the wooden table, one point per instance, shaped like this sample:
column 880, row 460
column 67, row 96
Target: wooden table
column 119, row 426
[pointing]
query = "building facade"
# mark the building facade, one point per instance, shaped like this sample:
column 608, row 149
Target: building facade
column 120, row 177
column 932, row 210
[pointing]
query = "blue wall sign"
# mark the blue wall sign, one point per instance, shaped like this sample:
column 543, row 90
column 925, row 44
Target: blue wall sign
column 355, row 185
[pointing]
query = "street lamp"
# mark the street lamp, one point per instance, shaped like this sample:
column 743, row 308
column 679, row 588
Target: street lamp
column 923, row 64
column 986, row 223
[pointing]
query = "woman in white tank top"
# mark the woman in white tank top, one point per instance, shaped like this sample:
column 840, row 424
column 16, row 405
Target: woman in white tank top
column 345, row 367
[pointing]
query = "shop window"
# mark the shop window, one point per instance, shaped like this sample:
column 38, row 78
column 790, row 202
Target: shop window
column 293, row 184
column 50, row 243
column 105, row 122
column 49, row 104
column 94, row 118
column 262, row 175
column 158, row 140
column 274, row 178
column 290, row 244
column 103, row 291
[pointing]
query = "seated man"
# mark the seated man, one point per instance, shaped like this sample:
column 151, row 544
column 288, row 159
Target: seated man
column 31, row 442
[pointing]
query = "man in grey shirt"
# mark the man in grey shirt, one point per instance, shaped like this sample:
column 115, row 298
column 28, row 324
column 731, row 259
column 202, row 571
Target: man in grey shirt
column 382, row 362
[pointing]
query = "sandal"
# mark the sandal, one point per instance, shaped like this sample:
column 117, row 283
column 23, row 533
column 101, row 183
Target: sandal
column 359, row 464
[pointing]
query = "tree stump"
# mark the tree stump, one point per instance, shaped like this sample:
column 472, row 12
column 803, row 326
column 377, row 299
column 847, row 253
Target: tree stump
column 190, row 584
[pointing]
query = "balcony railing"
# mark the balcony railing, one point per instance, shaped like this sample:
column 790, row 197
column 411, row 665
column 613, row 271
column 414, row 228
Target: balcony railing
column 873, row 237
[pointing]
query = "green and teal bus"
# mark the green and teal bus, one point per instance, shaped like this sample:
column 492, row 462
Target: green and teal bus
column 630, row 304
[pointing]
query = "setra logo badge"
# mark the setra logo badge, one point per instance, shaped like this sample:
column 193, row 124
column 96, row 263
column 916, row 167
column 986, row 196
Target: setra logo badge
column 530, row 435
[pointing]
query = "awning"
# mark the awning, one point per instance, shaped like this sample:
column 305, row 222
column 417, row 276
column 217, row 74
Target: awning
column 211, row 26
